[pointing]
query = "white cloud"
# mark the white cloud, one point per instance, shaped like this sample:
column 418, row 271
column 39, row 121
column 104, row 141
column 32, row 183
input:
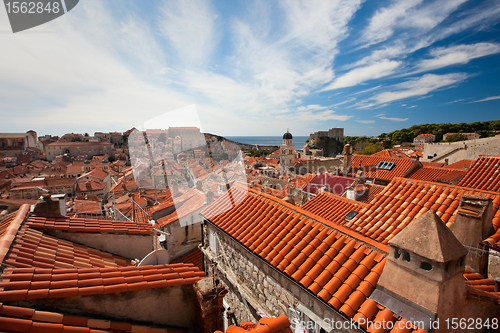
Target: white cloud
column 394, row 119
column 415, row 15
column 362, row 74
column 419, row 86
column 459, row 54
column 487, row 99
column 366, row 121
column 189, row 27
column 382, row 24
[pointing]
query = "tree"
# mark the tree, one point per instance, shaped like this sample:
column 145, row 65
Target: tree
column 86, row 134
column 111, row 159
column 371, row 149
column 455, row 137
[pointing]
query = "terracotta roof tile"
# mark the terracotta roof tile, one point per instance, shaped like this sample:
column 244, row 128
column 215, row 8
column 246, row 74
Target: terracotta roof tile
column 484, row 174
column 332, row 207
column 266, row 325
column 431, row 174
column 404, row 200
column 195, row 258
column 20, row 319
column 368, row 164
column 463, row 165
column 87, row 225
column 336, row 183
column 184, row 207
column 20, row 284
column 32, row 248
column 322, row 256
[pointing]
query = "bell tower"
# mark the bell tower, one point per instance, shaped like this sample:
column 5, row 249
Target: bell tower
column 287, row 153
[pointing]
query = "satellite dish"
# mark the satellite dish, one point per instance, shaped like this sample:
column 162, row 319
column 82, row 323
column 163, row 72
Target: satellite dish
column 150, row 259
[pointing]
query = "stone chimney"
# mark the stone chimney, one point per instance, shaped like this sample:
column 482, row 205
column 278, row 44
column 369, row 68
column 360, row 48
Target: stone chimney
column 423, row 277
column 356, row 192
column 346, row 166
column 209, row 197
column 210, row 309
column 360, row 177
column 47, row 204
column 472, row 225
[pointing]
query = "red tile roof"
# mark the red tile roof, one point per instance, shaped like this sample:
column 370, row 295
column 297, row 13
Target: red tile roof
column 187, row 207
column 463, row 164
column 195, row 258
column 65, row 223
column 404, row 200
column 90, row 185
column 338, row 184
column 21, row 284
column 368, row 164
column 265, row 325
column 478, row 285
column 10, row 231
column 318, row 254
column 331, row 207
column 21, row 319
column 32, row 248
column 484, row 174
column 390, row 153
column 430, row 174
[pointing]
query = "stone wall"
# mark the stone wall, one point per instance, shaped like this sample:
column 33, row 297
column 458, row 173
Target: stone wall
column 457, row 151
column 266, row 290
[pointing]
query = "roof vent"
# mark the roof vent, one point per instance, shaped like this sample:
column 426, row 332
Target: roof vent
column 386, row 165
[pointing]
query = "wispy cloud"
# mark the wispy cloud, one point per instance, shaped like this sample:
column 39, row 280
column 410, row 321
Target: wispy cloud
column 419, row 86
column 189, row 27
column 455, row 101
column 459, row 54
column 394, row 119
column 366, row 121
column 362, row 74
column 486, row 99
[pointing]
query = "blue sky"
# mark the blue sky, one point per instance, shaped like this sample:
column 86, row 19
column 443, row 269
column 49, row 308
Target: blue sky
column 253, row 67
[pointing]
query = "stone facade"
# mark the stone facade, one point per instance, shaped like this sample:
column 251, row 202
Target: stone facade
column 457, row 151
column 334, row 132
column 256, row 288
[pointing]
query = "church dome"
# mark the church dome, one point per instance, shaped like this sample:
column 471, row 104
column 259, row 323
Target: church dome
column 287, row 136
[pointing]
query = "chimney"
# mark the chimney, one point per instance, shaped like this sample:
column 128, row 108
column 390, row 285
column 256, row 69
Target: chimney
column 360, row 177
column 347, row 159
column 209, row 197
column 422, row 280
column 473, row 224
column 51, row 204
column 356, row 192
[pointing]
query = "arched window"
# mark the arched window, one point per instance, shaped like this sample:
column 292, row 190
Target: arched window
column 406, row 256
column 397, row 253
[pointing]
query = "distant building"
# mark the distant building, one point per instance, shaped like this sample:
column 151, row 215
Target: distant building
column 424, row 138
column 334, row 132
column 469, row 136
column 15, row 144
column 76, row 148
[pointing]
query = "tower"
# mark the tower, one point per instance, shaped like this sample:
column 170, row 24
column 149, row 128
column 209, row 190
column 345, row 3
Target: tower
column 287, row 153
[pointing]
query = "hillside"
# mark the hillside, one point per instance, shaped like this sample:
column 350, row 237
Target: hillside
column 483, row 128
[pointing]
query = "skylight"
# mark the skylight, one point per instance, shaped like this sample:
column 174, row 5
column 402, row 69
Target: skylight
column 385, row 165
column 351, row 215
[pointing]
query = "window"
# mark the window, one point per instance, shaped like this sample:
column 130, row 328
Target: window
column 212, row 240
column 406, row 256
column 385, row 165
column 397, row 253
column 426, row 266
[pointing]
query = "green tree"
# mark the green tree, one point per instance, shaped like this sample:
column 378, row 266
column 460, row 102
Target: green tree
column 455, row 137
column 371, row 149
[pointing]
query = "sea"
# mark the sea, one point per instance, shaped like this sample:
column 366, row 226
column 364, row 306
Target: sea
column 298, row 141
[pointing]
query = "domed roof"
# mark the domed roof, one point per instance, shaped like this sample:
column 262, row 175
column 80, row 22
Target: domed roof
column 287, row 135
